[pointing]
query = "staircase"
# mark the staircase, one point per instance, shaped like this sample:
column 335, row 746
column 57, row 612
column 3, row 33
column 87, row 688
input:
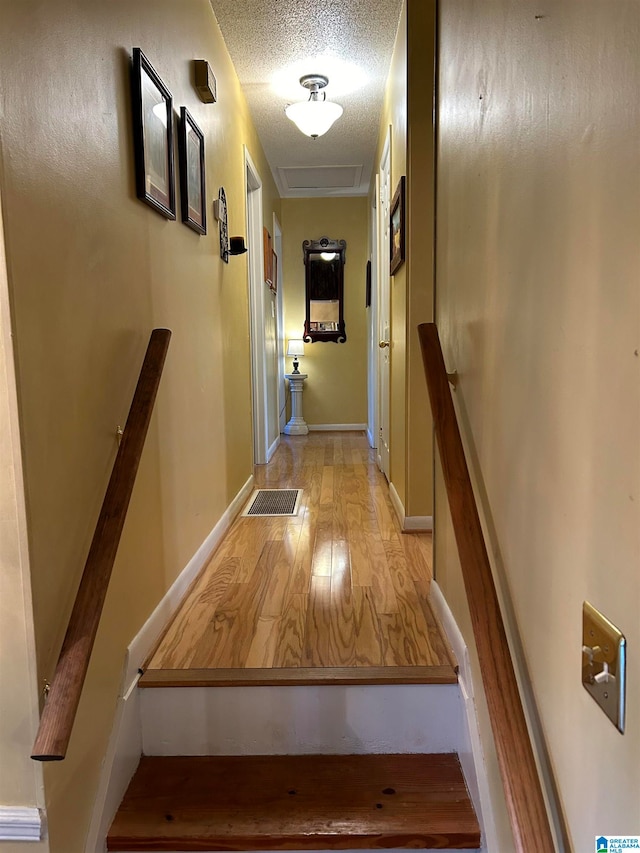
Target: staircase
column 290, row 767
column 304, row 696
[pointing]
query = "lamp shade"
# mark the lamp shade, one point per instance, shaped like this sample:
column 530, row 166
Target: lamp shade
column 314, row 117
column 295, row 347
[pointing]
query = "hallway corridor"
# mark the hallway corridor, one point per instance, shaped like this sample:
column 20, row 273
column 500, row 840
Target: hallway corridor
column 334, row 594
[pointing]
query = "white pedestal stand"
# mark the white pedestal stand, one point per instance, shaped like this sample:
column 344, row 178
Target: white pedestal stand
column 297, row 425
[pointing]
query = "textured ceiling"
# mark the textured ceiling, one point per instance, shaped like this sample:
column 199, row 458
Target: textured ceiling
column 274, row 42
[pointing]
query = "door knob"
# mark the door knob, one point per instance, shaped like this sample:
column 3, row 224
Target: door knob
column 383, row 344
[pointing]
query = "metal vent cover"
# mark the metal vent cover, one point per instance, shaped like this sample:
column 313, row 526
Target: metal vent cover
column 265, row 502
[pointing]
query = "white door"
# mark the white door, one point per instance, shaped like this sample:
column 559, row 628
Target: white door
column 384, row 307
column 277, row 248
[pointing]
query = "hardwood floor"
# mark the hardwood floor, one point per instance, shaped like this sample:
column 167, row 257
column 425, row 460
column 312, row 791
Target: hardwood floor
column 334, row 594
column 296, row 802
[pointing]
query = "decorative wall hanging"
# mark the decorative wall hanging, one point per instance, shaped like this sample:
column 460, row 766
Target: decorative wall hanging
column 192, row 178
column 205, row 81
column 152, row 137
column 237, row 246
column 268, row 257
column 221, row 216
column 397, row 227
column 324, row 262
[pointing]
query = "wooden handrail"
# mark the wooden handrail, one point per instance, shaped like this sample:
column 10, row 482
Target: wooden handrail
column 66, row 686
column 523, row 791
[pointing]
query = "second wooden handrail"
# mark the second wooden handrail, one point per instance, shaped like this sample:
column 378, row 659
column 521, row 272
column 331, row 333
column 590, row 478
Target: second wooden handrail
column 66, row 686
column 523, row 791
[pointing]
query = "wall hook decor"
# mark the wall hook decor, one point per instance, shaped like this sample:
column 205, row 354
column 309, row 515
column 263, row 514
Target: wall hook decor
column 220, row 213
column 205, row 81
column 237, row 246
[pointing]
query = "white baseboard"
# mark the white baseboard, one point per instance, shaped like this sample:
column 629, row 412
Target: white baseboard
column 416, row 523
column 125, row 744
column 20, row 823
column 337, row 427
column 472, row 758
column 397, row 504
column 409, row 523
column 120, row 762
column 273, row 448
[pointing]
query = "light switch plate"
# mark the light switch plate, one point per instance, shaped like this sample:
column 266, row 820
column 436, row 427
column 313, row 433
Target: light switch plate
column 604, row 663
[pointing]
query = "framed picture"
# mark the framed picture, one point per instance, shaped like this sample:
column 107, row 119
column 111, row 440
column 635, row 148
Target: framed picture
column 192, row 182
column 367, row 291
column 274, row 266
column 153, row 137
column 397, row 226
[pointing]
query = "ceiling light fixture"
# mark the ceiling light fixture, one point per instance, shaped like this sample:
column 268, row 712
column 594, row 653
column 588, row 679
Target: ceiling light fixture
column 315, row 116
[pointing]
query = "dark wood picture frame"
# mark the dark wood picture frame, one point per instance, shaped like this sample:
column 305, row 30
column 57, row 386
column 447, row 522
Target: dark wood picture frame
column 397, row 227
column 324, row 288
column 367, row 287
column 192, row 177
column 152, row 106
column 268, row 257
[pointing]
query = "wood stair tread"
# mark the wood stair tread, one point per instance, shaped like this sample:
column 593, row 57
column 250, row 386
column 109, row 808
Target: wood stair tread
column 295, row 802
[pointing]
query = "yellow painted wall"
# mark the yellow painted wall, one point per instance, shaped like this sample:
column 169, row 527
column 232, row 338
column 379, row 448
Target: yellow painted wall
column 421, row 46
column 407, row 110
column 91, row 271
column 538, row 307
column 336, row 390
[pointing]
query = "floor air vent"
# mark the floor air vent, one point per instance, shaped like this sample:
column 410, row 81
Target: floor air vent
column 274, row 502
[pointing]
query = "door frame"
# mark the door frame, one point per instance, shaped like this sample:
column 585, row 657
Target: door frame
column 372, row 373
column 17, row 631
column 253, row 194
column 383, row 297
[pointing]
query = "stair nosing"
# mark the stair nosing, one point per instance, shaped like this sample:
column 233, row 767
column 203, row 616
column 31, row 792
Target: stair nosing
column 303, row 676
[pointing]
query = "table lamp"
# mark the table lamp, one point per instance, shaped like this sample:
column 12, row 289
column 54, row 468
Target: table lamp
column 295, row 347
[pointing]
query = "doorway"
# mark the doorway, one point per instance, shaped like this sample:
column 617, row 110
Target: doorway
column 281, row 343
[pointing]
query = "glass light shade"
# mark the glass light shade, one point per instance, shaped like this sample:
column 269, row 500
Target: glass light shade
column 295, row 347
column 314, row 118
